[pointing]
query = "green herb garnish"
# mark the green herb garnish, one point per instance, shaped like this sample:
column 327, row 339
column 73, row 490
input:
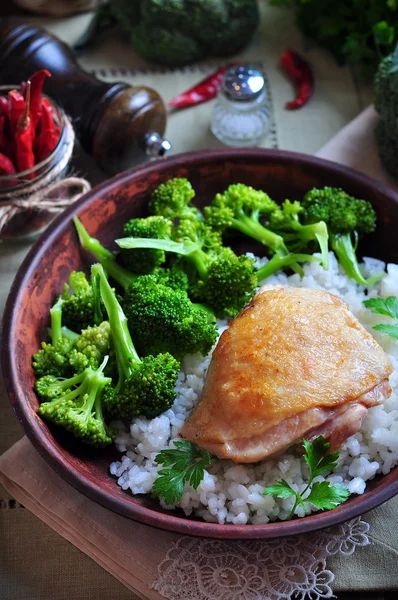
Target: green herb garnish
column 389, row 308
column 186, row 464
column 322, row 494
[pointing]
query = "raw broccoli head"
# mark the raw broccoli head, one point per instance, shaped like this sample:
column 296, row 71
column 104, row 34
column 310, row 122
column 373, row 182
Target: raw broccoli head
column 145, row 261
column 341, row 212
column 171, row 200
column 164, row 319
column 173, row 32
column 385, row 88
column 76, row 405
column 388, row 148
column 78, row 302
column 144, row 385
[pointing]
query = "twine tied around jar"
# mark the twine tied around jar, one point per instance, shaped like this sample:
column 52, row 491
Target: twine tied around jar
column 50, row 193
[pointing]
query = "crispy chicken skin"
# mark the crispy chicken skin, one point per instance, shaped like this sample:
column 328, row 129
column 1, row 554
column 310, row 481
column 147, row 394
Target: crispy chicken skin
column 295, row 363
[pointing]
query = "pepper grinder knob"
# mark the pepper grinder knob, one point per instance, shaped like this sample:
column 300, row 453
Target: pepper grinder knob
column 156, row 146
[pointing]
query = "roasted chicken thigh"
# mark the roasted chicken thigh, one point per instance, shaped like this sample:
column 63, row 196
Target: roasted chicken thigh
column 295, row 363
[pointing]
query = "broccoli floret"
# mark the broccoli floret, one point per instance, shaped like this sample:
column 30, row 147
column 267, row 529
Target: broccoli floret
column 78, row 305
column 240, row 207
column 144, row 261
column 146, row 386
column 53, row 359
column 346, row 218
column 388, row 148
column 76, row 404
column 171, row 200
column 285, row 220
column 164, row 319
column 224, row 281
column 90, row 347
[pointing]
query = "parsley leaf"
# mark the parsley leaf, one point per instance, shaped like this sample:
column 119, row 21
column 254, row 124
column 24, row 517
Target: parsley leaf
column 186, row 464
column 326, row 496
column 317, row 457
column 389, row 308
column 322, row 494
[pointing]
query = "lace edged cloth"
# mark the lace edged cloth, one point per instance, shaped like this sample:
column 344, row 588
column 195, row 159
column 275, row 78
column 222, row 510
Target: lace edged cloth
column 201, row 569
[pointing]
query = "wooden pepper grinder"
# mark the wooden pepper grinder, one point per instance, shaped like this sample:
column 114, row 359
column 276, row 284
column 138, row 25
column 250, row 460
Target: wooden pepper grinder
column 118, row 124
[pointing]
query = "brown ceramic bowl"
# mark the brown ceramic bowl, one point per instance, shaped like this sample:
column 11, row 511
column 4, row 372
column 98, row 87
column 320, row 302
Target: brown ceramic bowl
column 103, row 209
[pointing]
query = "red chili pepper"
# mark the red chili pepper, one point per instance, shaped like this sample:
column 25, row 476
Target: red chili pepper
column 301, row 74
column 37, row 81
column 202, row 91
column 4, row 106
column 5, row 144
column 17, row 107
column 24, row 156
column 6, row 165
column 49, row 132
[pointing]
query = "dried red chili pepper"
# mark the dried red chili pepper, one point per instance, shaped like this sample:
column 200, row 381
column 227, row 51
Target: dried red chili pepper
column 36, row 85
column 4, row 106
column 301, row 74
column 202, row 91
column 6, row 165
column 17, row 107
column 49, row 132
column 24, row 156
column 5, row 144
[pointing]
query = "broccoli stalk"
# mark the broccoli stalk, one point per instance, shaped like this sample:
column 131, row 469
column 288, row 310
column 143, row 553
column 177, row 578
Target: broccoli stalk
column 53, row 359
column 285, row 220
column 346, row 218
column 76, row 404
column 146, row 386
column 282, row 262
column 240, row 207
column 121, row 275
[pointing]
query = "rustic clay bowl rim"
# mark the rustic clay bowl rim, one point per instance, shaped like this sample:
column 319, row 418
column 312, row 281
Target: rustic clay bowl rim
column 387, row 486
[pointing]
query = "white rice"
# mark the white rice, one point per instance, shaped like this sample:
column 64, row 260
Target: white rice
column 231, row 493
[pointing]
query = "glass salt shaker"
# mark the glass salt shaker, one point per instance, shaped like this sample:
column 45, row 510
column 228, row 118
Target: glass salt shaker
column 241, row 116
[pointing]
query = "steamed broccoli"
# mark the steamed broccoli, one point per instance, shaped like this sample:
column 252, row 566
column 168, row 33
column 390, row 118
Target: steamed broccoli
column 285, row 220
column 282, row 262
column 240, row 207
column 78, row 302
column 163, row 318
column 144, row 261
column 53, row 358
column 76, row 404
column 184, row 327
column 171, row 200
column 174, row 33
column 90, row 347
column 146, row 386
column 346, row 218
column 223, row 280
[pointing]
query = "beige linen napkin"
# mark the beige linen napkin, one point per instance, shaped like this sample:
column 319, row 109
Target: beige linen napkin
column 133, row 552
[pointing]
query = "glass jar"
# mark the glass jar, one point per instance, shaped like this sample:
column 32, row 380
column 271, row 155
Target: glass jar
column 18, row 220
column 241, row 116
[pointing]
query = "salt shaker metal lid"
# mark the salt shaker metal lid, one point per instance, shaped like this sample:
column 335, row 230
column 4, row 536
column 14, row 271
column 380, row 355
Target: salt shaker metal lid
column 242, row 83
